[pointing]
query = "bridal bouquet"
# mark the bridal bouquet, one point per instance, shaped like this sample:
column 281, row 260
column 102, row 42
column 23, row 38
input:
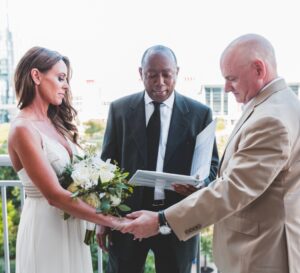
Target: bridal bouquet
column 100, row 184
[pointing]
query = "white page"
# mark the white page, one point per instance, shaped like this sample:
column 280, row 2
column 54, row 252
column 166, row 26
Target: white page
column 203, row 151
column 161, row 180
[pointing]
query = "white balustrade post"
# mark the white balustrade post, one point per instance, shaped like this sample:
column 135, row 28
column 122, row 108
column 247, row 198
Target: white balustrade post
column 5, row 230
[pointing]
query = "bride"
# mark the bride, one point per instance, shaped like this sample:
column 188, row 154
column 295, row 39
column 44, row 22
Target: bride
column 42, row 140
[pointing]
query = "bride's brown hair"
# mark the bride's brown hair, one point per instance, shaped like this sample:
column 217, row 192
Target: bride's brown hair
column 43, row 59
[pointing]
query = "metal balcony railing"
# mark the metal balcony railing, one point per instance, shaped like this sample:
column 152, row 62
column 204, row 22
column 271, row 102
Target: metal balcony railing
column 5, row 161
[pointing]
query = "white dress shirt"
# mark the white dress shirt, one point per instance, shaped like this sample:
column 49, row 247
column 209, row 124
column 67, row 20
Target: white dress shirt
column 165, row 118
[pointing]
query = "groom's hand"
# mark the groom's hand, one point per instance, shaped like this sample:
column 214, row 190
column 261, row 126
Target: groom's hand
column 144, row 224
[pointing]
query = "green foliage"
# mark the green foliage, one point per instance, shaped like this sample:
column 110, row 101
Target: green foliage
column 12, row 265
column 221, row 144
column 93, row 127
column 3, row 147
column 222, row 135
column 150, row 264
column 93, row 132
column 94, row 251
column 13, row 203
column 8, row 173
column 220, row 124
column 13, row 218
column 13, row 213
column 206, row 243
column 4, row 128
column 116, row 188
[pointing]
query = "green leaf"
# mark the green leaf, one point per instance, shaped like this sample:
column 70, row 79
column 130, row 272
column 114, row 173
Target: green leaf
column 121, row 186
column 75, row 194
column 124, row 207
column 98, row 210
column 105, row 204
column 66, row 216
column 112, row 191
column 79, row 157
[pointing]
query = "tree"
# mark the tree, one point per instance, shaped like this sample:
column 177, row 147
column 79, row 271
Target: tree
column 93, row 132
column 93, row 127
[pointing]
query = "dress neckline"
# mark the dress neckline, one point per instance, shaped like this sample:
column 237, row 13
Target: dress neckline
column 70, row 156
column 68, row 150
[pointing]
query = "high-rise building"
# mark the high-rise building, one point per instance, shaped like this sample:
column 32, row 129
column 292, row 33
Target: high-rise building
column 7, row 97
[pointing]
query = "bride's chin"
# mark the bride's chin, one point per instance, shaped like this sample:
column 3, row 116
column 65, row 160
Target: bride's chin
column 58, row 102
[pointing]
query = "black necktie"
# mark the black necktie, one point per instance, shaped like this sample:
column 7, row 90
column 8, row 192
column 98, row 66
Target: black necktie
column 153, row 134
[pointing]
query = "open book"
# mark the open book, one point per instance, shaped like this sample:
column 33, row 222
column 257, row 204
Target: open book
column 200, row 165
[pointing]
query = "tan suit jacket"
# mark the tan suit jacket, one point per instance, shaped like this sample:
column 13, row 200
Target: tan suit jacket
column 255, row 201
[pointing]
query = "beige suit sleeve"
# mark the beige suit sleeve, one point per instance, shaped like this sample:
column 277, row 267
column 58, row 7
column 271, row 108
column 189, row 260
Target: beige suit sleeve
column 261, row 152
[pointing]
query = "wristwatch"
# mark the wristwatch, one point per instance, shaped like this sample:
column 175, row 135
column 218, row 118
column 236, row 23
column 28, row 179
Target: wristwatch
column 163, row 229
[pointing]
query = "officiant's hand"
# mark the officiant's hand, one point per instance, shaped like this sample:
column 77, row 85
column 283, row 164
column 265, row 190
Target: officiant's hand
column 103, row 235
column 144, row 224
column 184, row 189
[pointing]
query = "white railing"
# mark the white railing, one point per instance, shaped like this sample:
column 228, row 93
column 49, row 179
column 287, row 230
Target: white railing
column 5, row 161
column 4, row 184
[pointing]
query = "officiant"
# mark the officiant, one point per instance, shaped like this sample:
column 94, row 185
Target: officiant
column 156, row 130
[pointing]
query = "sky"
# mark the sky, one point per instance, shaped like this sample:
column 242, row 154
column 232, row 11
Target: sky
column 106, row 39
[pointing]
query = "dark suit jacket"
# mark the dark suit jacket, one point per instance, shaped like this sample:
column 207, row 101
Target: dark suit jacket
column 125, row 140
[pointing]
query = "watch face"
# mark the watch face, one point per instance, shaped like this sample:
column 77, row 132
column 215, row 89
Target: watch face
column 164, row 230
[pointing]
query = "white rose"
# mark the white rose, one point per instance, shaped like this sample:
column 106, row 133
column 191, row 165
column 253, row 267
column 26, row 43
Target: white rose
column 94, row 175
column 85, row 174
column 80, row 174
column 92, row 199
column 115, row 200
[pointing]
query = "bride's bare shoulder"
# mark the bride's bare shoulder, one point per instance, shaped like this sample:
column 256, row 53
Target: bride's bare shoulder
column 22, row 130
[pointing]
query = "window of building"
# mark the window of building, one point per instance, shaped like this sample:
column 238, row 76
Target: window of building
column 295, row 88
column 217, row 100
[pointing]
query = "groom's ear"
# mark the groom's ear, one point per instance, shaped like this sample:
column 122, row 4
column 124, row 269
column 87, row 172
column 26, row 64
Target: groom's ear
column 36, row 76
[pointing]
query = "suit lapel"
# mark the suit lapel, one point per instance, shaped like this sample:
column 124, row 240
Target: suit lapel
column 136, row 121
column 178, row 126
column 236, row 128
column 260, row 98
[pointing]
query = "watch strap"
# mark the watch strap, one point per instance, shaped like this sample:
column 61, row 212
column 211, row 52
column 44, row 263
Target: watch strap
column 162, row 219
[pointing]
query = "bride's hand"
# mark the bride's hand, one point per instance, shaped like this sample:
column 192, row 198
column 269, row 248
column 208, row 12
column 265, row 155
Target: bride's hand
column 120, row 223
column 103, row 236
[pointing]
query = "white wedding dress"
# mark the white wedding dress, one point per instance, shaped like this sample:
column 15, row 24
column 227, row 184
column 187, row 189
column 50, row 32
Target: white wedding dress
column 46, row 243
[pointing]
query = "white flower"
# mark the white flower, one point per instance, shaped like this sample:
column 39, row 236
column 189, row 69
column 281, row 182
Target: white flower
column 85, row 174
column 107, row 170
column 115, row 200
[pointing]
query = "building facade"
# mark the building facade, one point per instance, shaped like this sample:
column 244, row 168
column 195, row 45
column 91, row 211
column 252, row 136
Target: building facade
column 7, row 95
column 224, row 104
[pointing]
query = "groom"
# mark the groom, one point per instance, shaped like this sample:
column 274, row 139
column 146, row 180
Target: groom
column 155, row 129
